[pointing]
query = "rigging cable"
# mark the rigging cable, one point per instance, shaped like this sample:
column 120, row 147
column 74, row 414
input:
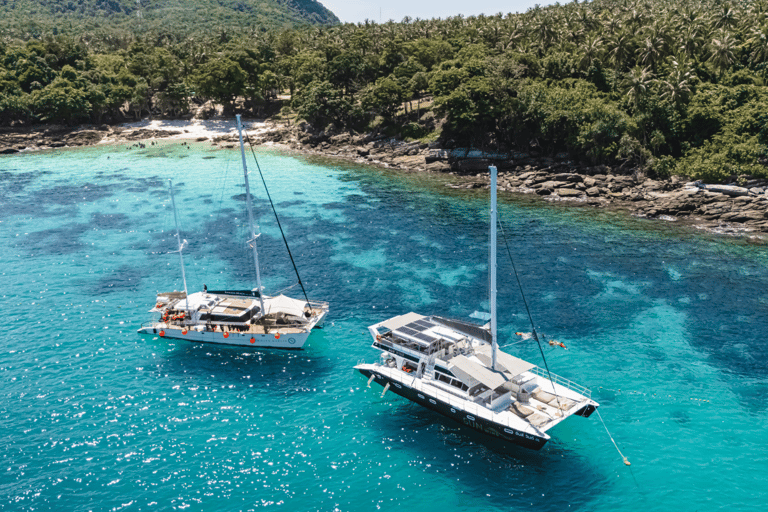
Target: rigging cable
column 282, row 233
column 530, row 318
column 535, row 336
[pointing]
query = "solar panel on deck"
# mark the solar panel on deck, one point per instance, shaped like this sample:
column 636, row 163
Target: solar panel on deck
column 406, row 330
column 425, row 337
column 424, row 323
column 415, row 327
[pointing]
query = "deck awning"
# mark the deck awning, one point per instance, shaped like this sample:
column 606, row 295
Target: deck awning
column 513, row 365
column 489, row 378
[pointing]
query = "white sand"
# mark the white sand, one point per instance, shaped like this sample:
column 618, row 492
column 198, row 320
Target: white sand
column 195, row 128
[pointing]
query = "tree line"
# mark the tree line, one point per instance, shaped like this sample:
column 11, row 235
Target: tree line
column 664, row 86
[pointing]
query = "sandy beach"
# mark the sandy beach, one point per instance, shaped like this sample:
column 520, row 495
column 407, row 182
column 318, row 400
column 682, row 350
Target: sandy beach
column 192, row 129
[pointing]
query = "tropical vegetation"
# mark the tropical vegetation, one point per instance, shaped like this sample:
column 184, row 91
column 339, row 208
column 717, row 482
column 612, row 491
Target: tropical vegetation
column 668, row 87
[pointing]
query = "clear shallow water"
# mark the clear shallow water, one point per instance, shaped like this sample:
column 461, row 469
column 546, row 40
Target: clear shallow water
column 667, row 327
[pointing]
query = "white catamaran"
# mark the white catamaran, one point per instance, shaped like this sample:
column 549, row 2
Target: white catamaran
column 234, row 317
column 456, row 369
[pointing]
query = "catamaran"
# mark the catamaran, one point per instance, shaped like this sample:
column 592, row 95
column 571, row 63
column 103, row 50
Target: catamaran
column 456, row 368
column 234, row 317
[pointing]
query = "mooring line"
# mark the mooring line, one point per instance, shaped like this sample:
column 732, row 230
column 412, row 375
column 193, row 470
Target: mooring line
column 626, row 461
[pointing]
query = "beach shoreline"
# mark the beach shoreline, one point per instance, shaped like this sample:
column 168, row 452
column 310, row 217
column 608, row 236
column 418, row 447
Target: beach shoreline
column 735, row 211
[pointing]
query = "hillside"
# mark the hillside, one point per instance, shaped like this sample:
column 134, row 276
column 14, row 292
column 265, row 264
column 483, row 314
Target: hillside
column 25, row 19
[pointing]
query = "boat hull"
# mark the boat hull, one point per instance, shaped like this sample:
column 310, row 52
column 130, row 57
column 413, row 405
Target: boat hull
column 496, row 430
column 287, row 341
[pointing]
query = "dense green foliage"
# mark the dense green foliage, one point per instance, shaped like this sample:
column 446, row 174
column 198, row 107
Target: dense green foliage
column 660, row 85
column 168, row 18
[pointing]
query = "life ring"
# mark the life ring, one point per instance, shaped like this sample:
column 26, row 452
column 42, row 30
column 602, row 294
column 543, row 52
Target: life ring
column 226, row 334
column 378, row 337
column 277, row 336
column 184, row 332
column 162, row 334
column 253, row 340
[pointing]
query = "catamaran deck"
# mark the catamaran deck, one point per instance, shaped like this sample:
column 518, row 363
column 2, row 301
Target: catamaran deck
column 457, row 365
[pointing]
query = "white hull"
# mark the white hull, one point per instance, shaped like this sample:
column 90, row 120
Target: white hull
column 285, row 340
column 189, row 318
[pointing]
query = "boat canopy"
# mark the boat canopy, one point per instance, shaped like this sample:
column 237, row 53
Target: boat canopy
column 508, row 367
column 511, row 364
column 489, row 378
column 283, row 304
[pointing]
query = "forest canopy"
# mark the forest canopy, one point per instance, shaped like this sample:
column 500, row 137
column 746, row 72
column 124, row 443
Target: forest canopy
column 671, row 87
column 28, row 19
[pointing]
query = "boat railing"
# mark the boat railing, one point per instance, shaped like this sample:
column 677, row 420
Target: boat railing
column 562, row 381
column 272, row 327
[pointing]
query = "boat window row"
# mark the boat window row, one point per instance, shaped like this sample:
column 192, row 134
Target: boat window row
column 453, row 382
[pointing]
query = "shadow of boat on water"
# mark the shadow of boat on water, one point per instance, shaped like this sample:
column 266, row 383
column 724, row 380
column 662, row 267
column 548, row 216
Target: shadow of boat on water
column 276, row 371
column 505, row 476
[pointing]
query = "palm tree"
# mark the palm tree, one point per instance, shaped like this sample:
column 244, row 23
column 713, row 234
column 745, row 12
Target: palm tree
column 690, row 41
column 722, row 51
column 515, row 33
column 651, row 51
column 613, row 24
column 758, row 42
column 725, row 17
column 636, row 84
column 677, row 85
column 619, row 49
column 590, row 51
column 544, row 31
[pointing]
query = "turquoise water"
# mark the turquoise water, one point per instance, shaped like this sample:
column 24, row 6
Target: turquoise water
column 666, row 325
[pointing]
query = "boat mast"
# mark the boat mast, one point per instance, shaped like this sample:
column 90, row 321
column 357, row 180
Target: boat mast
column 254, row 236
column 181, row 246
column 494, row 343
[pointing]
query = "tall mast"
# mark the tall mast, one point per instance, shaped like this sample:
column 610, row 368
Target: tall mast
column 181, row 246
column 254, row 236
column 494, row 343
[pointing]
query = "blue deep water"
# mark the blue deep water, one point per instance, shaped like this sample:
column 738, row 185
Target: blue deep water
column 665, row 324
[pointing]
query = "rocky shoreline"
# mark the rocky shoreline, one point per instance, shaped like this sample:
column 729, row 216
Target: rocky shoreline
column 733, row 209
column 55, row 136
column 730, row 209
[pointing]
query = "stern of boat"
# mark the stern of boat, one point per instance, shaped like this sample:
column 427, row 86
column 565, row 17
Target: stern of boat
column 149, row 328
column 320, row 312
column 587, row 410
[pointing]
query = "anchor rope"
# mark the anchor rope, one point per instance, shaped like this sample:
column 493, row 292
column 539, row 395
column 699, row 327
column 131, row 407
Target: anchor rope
column 282, row 233
column 626, row 461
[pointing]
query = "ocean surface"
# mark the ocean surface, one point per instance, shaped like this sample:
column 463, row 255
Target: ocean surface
column 666, row 325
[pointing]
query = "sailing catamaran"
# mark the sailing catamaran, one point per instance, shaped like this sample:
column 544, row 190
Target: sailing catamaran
column 234, row 317
column 455, row 368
